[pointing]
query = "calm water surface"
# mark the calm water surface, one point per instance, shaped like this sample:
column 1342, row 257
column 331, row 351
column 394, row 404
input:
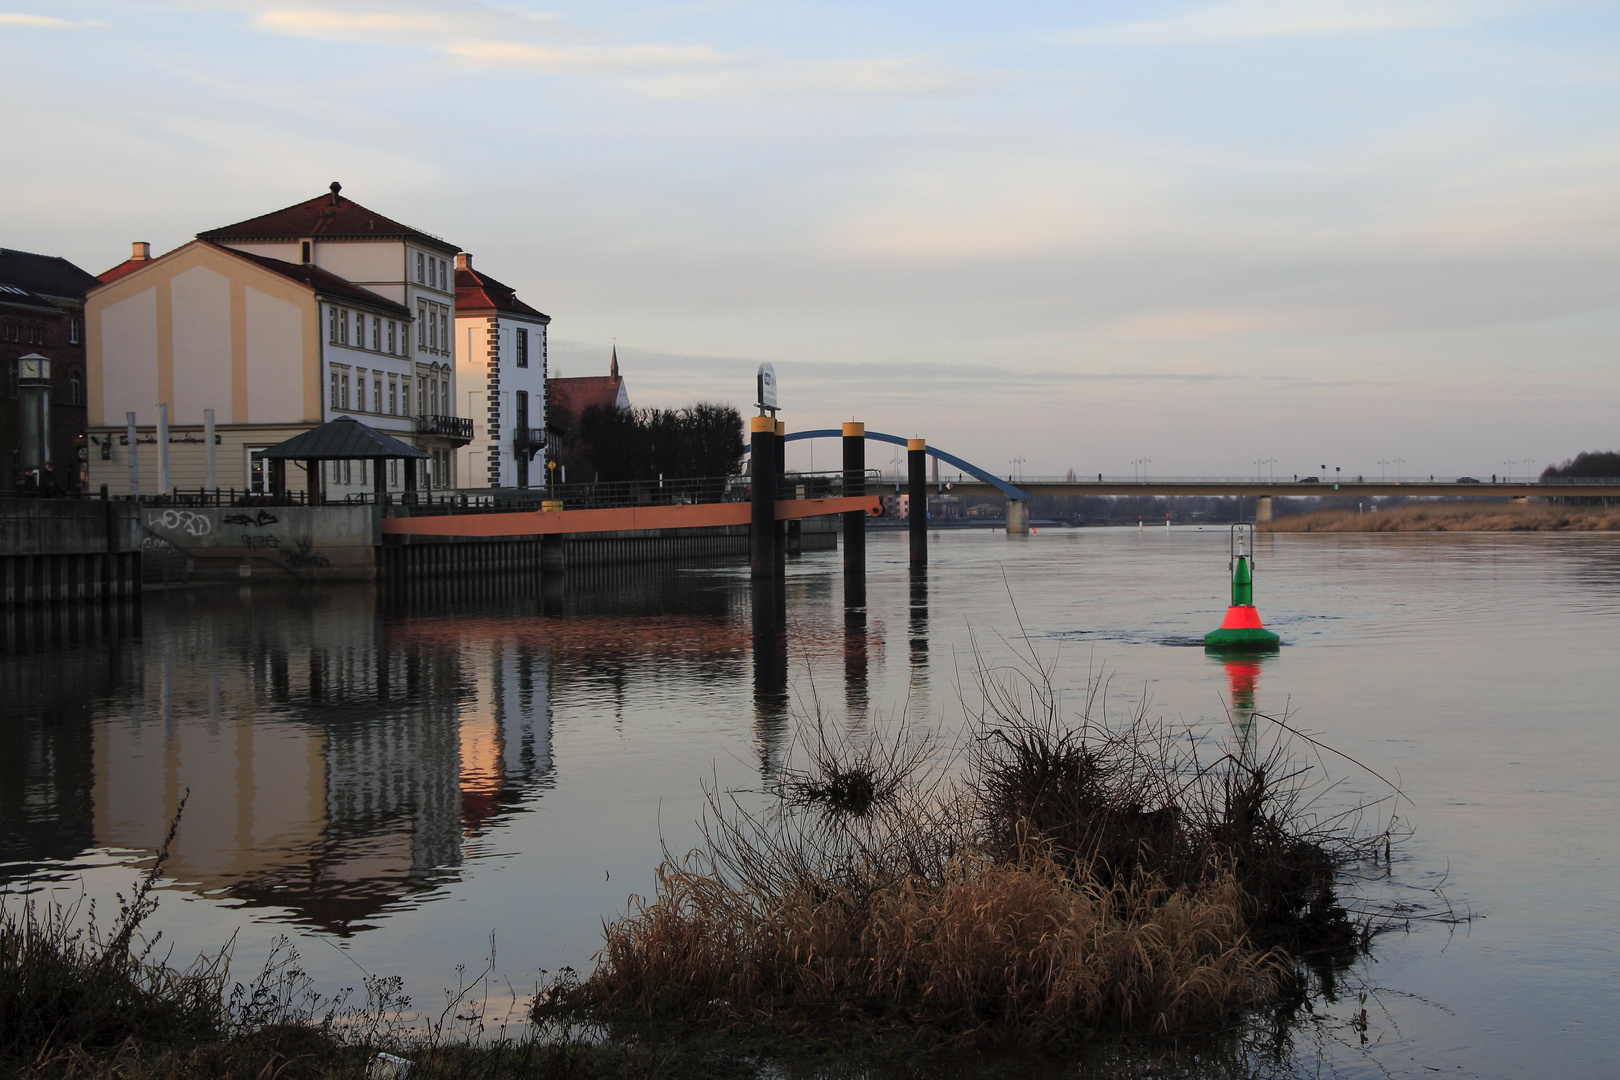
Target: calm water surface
column 390, row 780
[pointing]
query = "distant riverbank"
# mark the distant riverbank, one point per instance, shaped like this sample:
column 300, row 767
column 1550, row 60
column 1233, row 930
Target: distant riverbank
column 1455, row 517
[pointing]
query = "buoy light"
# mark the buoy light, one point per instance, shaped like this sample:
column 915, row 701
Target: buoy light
column 1242, row 629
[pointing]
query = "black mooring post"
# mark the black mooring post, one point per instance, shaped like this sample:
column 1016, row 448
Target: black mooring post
column 917, row 515
column 762, row 523
column 854, row 520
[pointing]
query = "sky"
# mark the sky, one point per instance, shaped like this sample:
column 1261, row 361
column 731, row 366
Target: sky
column 1196, row 239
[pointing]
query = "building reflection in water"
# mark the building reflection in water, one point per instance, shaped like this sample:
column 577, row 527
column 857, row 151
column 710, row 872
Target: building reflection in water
column 346, row 749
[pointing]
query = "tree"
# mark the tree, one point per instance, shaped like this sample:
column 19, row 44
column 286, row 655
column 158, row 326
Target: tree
column 702, row 439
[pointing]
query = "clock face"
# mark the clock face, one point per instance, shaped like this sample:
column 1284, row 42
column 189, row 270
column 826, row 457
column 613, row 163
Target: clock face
column 33, row 368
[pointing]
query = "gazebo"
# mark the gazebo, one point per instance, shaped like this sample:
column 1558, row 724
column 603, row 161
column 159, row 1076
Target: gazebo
column 343, row 439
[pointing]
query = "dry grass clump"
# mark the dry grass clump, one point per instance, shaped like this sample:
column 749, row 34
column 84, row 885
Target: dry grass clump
column 1068, row 878
column 1454, row 517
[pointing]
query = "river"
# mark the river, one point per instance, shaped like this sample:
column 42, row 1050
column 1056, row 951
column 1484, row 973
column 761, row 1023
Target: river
column 391, row 779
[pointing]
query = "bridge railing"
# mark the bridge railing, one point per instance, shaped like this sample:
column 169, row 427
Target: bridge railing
column 608, row 495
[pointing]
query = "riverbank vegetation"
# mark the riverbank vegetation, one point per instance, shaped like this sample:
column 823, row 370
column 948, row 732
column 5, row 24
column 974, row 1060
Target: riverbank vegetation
column 1052, row 881
column 1454, row 517
column 1070, row 881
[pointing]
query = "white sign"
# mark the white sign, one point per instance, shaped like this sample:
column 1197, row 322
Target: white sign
column 767, row 387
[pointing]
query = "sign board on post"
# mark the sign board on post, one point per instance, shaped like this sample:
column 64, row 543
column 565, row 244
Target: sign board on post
column 767, row 387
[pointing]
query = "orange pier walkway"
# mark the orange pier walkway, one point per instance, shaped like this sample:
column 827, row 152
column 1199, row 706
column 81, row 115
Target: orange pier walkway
column 619, row 519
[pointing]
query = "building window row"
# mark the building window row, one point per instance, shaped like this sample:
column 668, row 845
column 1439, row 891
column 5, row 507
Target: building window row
column 432, row 326
column 365, row 331
column 433, row 392
column 380, row 392
column 433, row 272
column 30, row 333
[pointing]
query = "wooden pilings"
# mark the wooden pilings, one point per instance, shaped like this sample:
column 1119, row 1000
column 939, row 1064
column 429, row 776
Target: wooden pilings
column 854, row 484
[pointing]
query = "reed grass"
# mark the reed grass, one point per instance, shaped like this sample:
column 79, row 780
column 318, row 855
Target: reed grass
column 1066, row 878
column 1454, row 517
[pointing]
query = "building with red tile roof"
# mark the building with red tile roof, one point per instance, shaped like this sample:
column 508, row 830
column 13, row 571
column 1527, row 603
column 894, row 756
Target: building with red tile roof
column 501, row 367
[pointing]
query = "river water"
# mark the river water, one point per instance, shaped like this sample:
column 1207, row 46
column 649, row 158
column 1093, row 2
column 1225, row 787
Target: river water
column 390, row 780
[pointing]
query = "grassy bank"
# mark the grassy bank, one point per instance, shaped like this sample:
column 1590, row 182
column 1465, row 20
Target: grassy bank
column 1455, row 517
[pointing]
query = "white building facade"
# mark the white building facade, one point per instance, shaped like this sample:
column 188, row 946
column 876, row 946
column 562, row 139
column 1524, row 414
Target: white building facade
column 500, row 348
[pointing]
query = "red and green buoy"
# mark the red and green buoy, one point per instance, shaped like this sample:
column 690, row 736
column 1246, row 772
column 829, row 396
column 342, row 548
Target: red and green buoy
column 1242, row 630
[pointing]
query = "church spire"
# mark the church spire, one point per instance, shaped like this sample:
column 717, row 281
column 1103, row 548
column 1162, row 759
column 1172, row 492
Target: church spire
column 613, row 365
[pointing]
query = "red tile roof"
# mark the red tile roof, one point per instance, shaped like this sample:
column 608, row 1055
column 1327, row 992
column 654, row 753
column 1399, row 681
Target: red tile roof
column 125, row 267
column 327, row 217
column 574, row 396
column 477, row 292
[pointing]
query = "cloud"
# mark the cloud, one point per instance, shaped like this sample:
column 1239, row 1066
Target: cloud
column 492, row 53
column 492, row 38
column 1238, row 20
column 43, row 22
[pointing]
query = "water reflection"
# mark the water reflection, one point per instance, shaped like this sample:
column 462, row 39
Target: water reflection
column 768, row 598
column 917, row 633
column 1243, row 681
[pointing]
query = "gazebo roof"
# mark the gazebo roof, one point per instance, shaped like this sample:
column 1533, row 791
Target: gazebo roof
column 342, row 438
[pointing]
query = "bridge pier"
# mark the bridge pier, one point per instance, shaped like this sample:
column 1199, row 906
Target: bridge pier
column 917, row 502
column 1017, row 517
column 763, row 460
column 1262, row 509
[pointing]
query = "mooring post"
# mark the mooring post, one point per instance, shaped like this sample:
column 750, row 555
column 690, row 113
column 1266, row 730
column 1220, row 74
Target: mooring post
column 854, row 485
column 917, row 500
column 762, row 523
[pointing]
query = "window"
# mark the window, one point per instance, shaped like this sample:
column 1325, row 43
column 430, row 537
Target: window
column 334, row 388
column 359, row 329
column 522, row 348
column 421, row 324
column 75, row 388
column 393, row 395
column 444, row 327
column 360, row 389
column 343, row 326
column 419, row 266
column 393, row 472
column 331, row 324
column 258, row 471
column 391, row 325
column 520, row 418
column 376, row 392
column 305, row 246
column 433, row 397
column 405, row 397
column 343, row 385
column 444, row 276
column 444, row 397
column 376, row 334
column 73, row 331
column 433, row 327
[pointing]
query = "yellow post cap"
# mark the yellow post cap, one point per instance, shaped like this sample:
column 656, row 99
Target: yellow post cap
column 854, row 429
column 762, row 424
column 550, row 504
column 916, row 444
column 781, row 427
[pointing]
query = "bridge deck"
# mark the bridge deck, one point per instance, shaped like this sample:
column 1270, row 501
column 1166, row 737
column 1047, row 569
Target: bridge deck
column 1287, row 487
column 618, row 519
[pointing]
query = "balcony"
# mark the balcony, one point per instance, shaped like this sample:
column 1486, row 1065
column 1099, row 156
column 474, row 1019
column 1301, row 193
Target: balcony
column 456, row 428
column 528, row 439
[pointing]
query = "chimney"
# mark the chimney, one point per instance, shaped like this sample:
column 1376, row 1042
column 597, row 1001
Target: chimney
column 464, row 261
column 336, row 187
column 140, row 251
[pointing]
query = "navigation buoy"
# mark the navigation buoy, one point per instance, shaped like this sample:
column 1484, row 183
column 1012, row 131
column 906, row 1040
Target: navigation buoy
column 1242, row 629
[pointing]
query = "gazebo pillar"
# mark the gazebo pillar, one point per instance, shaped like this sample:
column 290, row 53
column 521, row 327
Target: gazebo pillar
column 410, row 476
column 379, row 480
column 313, row 482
